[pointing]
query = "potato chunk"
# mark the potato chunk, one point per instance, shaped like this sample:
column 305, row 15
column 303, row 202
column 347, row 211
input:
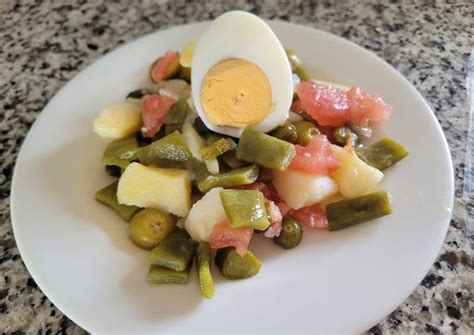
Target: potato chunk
column 150, row 187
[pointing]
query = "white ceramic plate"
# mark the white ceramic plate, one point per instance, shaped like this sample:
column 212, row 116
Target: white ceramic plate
column 80, row 255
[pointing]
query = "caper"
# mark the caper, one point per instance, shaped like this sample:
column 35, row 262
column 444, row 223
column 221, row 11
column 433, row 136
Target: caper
column 305, row 131
column 290, row 235
column 345, row 135
column 150, row 226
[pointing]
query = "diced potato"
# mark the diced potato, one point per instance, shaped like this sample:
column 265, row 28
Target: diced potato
column 150, row 187
column 186, row 57
column 118, row 121
column 204, row 215
column 195, row 143
column 354, row 177
column 299, row 189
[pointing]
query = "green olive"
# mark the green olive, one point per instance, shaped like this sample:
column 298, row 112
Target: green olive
column 305, row 131
column 286, row 132
column 150, row 226
column 290, row 235
column 345, row 135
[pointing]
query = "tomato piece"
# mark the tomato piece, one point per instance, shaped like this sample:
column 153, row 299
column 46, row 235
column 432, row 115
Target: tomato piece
column 155, row 108
column 315, row 158
column 312, row 216
column 327, row 105
column 365, row 107
column 165, row 65
column 224, row 236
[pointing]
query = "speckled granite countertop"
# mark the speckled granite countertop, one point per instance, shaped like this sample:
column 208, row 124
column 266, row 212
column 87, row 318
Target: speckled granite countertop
column 46, row 43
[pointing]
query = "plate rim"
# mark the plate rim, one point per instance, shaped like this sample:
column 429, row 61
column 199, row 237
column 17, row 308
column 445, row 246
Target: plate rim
column 63, row 307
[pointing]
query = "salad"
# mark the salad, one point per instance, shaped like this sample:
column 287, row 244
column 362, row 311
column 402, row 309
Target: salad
column 232, row 138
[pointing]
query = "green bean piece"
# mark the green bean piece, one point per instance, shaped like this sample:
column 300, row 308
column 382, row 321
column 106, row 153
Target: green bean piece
column 174, row 252
column 344, row 135
column 305, row 131
column 108, row 196
column 264, row 150
column 177, row 113
column 243, row 176
column 285, row 132
column 230, row 159
column 265, row 176
column 234, row 266
column 121, row 152
column 150, row 226
column 345, row 213
column 217, row 148
column 169, row 151
column 161, row 275
column 170, row 128
column 296, row 65
column 210, row 138
column 245, row 208
column 290, row 235
column 203, row 266
column 382, row 154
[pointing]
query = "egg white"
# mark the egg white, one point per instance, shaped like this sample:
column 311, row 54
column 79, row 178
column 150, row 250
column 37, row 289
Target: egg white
column 238, row 34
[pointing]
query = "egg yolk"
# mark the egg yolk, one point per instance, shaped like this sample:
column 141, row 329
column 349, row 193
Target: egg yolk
column 236, row 93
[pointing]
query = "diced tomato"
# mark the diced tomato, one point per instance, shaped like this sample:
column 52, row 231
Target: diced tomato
column 330, row 106
column 312, row 216
column 315, row 158
column 163, row 64
column 268, row 190
column 366, row 107
column 275, row 218
column 327, row 105
column 155, row 108
column 224, row 236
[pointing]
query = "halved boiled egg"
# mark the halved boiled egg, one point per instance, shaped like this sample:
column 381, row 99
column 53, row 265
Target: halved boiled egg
column 241, row 76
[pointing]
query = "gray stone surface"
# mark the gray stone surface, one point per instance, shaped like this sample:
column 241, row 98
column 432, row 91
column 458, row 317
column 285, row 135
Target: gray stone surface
column 46, row 43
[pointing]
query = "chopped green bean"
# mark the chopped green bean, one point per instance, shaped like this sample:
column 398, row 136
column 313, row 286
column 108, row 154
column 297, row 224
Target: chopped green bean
column 345, row 213
column 234, row 266
column 285, row 132
column 230, row 159
column 382, row 154
column 245, row 208
column 217, row 148
column 169, row 151
column 296, row 65
column 178, row 112
column 243, row 176
column 161, row 275
column 203, row 266
column 264, row 150
column 121, row 152
column 175, row 252
column 108, row 196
